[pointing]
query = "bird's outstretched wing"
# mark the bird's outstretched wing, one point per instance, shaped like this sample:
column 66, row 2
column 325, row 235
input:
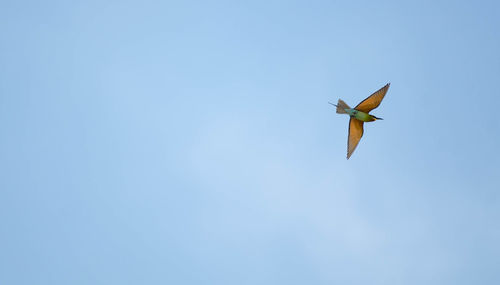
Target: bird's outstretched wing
column 355, row 134
column 373, row 100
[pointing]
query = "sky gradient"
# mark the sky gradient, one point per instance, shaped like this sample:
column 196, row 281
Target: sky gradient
column 191, row 142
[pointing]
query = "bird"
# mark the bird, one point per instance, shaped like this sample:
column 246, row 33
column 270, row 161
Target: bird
column 359, row 115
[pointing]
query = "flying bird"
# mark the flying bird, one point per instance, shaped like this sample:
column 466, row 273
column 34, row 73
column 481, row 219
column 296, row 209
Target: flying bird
column 359, row 115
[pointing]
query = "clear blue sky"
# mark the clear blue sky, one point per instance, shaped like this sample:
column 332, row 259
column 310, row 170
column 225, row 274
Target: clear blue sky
column 190, row 142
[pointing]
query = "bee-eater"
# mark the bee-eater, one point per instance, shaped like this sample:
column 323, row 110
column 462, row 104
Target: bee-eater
column 358, row 115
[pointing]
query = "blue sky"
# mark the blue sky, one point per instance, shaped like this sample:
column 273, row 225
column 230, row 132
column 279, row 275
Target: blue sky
column 190, row 142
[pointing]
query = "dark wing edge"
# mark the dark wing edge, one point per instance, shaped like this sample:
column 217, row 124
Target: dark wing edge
column 354, row 136
column 373, row 101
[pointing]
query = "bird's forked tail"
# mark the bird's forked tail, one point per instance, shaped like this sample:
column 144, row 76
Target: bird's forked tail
column 341, row 106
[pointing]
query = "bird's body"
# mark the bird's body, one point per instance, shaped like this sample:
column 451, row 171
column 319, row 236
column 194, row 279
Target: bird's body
column 362, row 116
column 359, row 115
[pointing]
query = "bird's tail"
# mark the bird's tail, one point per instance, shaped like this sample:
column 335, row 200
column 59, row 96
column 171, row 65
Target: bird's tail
column 341, row 106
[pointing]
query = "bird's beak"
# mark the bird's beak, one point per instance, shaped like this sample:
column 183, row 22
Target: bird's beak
column 377, row 118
